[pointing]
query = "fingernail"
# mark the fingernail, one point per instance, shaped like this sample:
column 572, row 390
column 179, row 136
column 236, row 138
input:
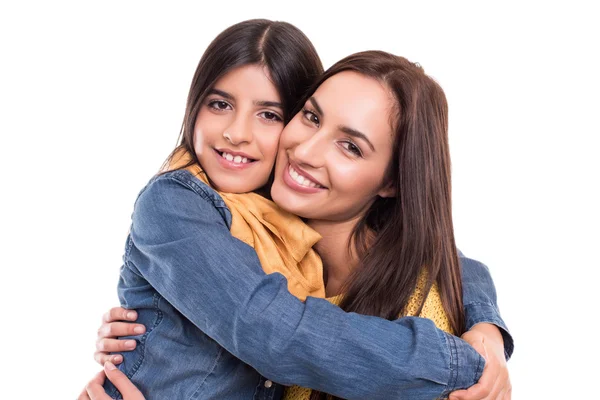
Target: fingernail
column 130, row 344
column 131, row 315
column 109, row 366
column 139, row 329
column 117, row 359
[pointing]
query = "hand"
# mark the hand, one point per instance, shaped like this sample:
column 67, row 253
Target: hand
column 494, row 383
column 95, row 391
column 115, row 323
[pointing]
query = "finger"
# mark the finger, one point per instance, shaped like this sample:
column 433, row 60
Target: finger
column 98, row 378
column 478, row 391
column 94, row 389
column 102, row 357
column 83, row 395
column 117, row 329
column 121, row 382
column 115, row 345
column 505, row 393
column 508, row 395
column 97, row 392
column 119, row 314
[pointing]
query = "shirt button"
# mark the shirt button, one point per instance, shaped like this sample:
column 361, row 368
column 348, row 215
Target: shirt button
column 268, row 384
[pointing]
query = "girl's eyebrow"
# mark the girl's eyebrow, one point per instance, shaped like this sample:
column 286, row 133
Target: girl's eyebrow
column 261, row 103
column 221, row 93
column 268, row 104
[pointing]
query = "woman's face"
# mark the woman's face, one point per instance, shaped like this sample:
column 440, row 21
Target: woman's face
column 237, row 130
column 333, row 155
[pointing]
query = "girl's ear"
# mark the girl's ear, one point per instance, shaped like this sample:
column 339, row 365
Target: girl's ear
column 387, row 191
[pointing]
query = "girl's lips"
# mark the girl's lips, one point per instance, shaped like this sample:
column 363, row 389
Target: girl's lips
column 234, row 153
column 230, row 164
column 292, row 184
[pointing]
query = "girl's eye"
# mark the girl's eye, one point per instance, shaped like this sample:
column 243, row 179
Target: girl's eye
column 270, row 116
column 311, row 117
column 352, row 148
column 219, row 105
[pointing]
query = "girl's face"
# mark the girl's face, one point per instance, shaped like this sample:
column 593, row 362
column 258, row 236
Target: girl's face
column 333, row 155
column 237, row 130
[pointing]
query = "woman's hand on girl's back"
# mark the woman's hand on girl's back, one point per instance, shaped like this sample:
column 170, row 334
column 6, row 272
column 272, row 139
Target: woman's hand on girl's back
column 116, row 323
column 94, row 390
column 494, row 383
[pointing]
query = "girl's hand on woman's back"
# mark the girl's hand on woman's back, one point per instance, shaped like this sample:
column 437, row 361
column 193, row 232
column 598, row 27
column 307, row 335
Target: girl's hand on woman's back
column 116, row 323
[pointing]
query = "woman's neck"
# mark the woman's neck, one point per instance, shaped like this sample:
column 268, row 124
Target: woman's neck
column 338, row 261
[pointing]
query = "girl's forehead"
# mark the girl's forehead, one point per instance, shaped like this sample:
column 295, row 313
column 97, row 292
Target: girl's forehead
column 249, row 80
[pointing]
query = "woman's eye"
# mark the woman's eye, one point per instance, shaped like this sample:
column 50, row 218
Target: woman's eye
column 219, row 105
column 311, row 117
column 351, row 147
column 271, row 116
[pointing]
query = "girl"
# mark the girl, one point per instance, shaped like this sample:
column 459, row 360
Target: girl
column 181, row 246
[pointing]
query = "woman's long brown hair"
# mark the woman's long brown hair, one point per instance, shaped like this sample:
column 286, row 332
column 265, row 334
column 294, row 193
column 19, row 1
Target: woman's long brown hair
column 399, row 237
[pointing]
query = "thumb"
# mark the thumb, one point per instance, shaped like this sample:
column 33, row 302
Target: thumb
column 121, row 382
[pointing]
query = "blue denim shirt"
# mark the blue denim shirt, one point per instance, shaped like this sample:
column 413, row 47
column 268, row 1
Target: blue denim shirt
column 219, row 328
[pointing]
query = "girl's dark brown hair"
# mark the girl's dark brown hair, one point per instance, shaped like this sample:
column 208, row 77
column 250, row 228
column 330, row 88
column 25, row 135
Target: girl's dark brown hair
column 399, row 237
column 286, row 52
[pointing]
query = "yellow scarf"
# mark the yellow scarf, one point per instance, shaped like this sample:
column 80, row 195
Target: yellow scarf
column 281, row 240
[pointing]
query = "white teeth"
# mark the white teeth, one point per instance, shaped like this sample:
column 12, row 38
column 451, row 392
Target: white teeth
column 235, row 159
column 301, row 180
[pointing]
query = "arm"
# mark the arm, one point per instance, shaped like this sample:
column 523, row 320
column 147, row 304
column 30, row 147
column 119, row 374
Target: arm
column 486, row 332
column 480, row 302
column 183, row 248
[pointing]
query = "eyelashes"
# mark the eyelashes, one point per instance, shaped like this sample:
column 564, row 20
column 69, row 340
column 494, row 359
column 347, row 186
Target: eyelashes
column 219, row 105
column 347, row 144
column 311, row 117
column 352, row 148
column 223, row 106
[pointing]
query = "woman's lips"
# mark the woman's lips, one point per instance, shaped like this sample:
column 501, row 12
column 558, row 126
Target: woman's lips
column 299, row 181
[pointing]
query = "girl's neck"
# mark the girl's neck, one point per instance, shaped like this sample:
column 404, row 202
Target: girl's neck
column 338, row 261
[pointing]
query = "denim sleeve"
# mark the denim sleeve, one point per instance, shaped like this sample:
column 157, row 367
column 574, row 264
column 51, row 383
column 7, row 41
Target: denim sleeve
column 183, row 248
column 479, row 299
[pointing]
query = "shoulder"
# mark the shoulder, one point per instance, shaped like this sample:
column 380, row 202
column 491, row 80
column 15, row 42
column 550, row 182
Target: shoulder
column 471, row 264
column 182, row 180
column 177, row 194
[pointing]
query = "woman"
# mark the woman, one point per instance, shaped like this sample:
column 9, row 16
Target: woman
column 147, row 254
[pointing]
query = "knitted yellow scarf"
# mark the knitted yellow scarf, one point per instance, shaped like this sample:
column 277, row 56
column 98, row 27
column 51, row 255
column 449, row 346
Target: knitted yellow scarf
column 282, row 241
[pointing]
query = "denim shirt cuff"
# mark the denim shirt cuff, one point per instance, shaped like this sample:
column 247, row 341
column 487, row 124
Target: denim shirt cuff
column 466, row 365
column 478, row 313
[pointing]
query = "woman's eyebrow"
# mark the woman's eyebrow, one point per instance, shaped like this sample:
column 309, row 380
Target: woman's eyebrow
column 357, row 134
column 316, row 105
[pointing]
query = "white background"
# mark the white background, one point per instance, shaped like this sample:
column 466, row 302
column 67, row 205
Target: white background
column 91, row 100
